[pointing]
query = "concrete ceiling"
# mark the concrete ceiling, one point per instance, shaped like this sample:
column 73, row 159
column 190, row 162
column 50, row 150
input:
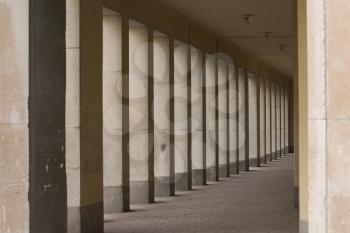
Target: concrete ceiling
column 224, row 18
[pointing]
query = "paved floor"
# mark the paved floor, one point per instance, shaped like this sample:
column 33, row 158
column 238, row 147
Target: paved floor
column 260, row 201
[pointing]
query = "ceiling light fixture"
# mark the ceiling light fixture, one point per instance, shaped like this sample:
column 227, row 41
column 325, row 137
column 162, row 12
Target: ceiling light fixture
column 267, row 35
column 248, row 18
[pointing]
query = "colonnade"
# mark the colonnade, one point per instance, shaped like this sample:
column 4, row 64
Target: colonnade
column 122, row 111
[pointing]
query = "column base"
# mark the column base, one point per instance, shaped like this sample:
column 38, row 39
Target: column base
column 92, row 218
column 211, row 171
column 269, row 157
column 73, row 221
column 162, row 186
column 223, row 171
column 112, row 199
column 197, row 177
column 241, row 166
column 291, row 149
column 303, row 226
column 139, row 192
column 253, row 162
column 233, row 168
column 296, row 197
column 181, row 181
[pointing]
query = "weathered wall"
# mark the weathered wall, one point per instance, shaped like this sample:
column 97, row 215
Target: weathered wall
column 253, row 152
column 197, row 116
column 273, row 120
column 14, row 145
column 138, row 110
column 233, row 117
column 268, row 118
column 181, row 131
column 328, row 116
column 222, row 130
column 210, row 112
column 278, row 119
column 242, row 136
column 262, row 119
column 73, row 114
column 161, row 114
column 112, row 111
column 338, row 113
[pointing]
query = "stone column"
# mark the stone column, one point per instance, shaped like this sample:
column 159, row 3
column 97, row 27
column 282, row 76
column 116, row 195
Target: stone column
column 91, row 114
column 161, row 114
column 337, row 113
column 197, row 116
column 210, row 112
column 222, row 117
column 138, row 110
column 14, row 140
column 73, row 115
column 180, row 115
column 282, row 120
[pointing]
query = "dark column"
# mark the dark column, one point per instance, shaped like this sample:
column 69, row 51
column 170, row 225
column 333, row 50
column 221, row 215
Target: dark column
column 150, row 116
column 276, row 125
column 228, row 119
column 271, row 125
column 281, row 124
column 172, row 114
column 189, row 118
column 264, row 125
column 246, row 99
column 204, row 117
column 125, row 114
column 290, row 117
column 237, row 118
column 217, row 166
column 258, row 119
column 47, row 83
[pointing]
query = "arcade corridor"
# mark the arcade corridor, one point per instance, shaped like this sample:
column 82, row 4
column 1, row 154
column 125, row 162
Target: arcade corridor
column 116, row 114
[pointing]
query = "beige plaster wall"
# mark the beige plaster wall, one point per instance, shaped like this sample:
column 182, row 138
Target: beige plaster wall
column 14, row 145
column 73, row 102
column 253, row 117
column 180, row 97
column 138, row 105
column 210, row 109
column 222, row 99
column 242, row 134
column 112, row 99
column 273, row 117
column 197, row 109
column 338, row 114
column 268, row 117
column 262, row 119
column 161, row 105
column 233, row 112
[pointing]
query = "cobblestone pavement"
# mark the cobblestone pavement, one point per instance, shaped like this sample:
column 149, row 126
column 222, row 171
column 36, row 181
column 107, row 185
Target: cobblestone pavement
column 260, row 201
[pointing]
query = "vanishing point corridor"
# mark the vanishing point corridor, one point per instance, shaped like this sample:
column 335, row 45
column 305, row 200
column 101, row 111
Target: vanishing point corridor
column 259, row 201
column 174, row 116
